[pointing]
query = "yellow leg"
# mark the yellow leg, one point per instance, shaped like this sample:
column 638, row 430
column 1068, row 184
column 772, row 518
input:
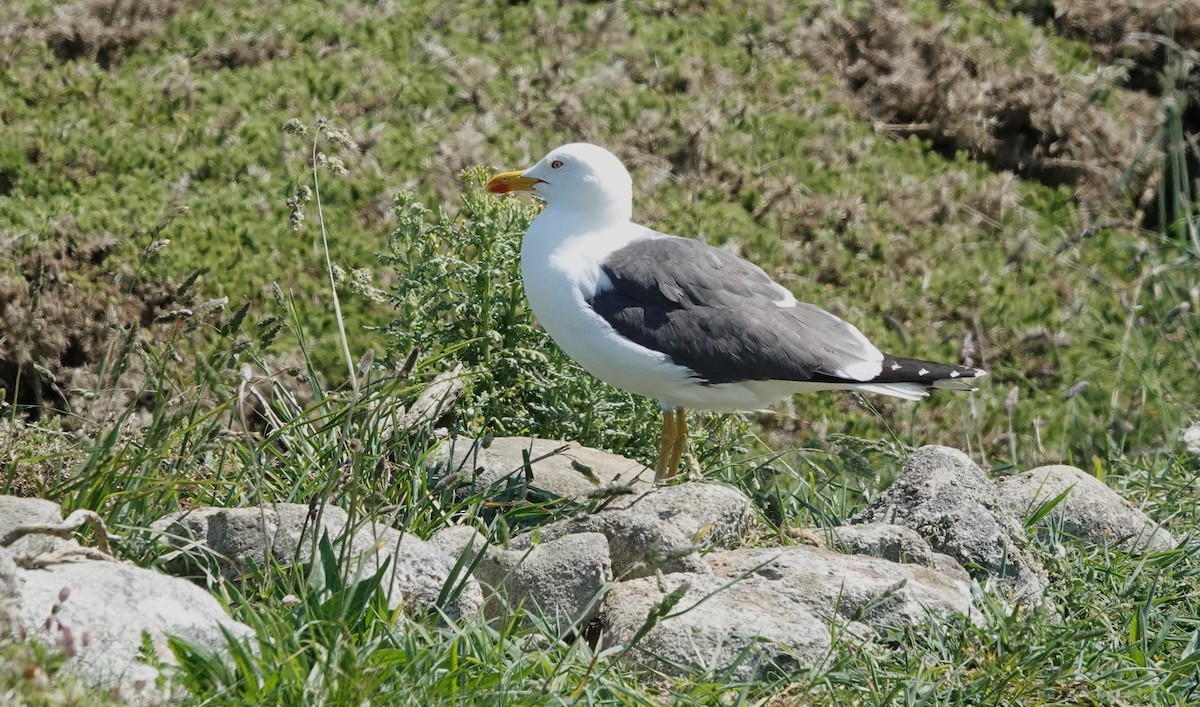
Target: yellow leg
column 674, row 421
column 681, row 434
column 664, row 445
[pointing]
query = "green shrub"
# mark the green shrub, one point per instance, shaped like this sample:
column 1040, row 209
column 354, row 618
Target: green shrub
column 458, row 298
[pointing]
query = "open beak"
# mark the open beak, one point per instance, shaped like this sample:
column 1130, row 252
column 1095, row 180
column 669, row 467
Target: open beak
column 510, row 181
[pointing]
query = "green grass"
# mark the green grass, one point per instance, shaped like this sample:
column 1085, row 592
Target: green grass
column 1125, row 630
column 1127, row 627
column 918, row 247
column 180, row 135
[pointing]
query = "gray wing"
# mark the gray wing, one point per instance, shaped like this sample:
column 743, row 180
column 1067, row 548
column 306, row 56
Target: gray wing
column 724, row 318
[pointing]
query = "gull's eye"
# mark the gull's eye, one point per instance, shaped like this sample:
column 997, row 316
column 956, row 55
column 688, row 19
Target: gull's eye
column 556, row 164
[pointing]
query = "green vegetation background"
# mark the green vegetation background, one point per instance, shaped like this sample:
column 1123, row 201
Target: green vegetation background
column 744, row 124
column 168, row 125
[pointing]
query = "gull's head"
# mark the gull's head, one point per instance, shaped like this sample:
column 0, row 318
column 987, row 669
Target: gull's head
column 579, row 177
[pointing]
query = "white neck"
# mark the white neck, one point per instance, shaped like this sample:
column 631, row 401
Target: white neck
column 595, row 214
column 561, row 234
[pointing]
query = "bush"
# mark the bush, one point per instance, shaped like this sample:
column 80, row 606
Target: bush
column 459, row 298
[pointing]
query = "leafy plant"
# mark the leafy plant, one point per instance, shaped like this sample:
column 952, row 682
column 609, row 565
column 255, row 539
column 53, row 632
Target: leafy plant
column 459, row 298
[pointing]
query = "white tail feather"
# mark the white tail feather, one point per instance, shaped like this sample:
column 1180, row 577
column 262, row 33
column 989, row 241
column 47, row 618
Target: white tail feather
column 908, row 391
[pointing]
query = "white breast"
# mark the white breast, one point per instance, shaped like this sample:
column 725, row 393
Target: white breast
column 562, row 272
column 560, row 275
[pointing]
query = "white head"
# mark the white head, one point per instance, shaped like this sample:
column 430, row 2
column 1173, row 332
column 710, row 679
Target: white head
column 578, row 177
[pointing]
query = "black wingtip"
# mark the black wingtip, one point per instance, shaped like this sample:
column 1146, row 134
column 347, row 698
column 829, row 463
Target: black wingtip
column 911, row 370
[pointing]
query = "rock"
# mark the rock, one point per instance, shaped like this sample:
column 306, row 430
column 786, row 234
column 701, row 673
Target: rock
column 435, row 401
column 854, row 587
column 950, row 567
column 244, row 538
column 895, row 543
column 1191, row 439
column 951, row 504
column 753, row 628
column 770, row 609
column 1091, row 510
column 107, row 607
column 10, row 593
column 456, row 539
column 638, row 545
column 562, row 469
column 236, row 541
column 707, row 514
column 561, row 580
column 95, row 611
column 15, row 511
column 888, row 542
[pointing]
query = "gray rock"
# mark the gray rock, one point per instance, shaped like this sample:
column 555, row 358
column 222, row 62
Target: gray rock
column 888, row 542
column 9, row 585
column 708, row 514
column 239, row 540
column 107, row 608
column 96, row 611
column 16, row 511
column 10, row 592
column 950, row 567
column 638, row 545
column 455, row 540
column 242, row 538
column 1191, row 439
column 773, row 609
column 417, row 573
column 563, row 469
column 895, row 543
column 435, row 401
column 1091, row 510
column 753, row 627
column 854, row 587
column 561, row 580
column 950, row 502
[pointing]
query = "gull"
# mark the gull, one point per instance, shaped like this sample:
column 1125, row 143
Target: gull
column 677, row 320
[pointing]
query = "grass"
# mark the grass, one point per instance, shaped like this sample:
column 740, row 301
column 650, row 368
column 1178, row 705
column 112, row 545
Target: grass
column 746, row 125
column 770, row 151
column 1126, row 628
